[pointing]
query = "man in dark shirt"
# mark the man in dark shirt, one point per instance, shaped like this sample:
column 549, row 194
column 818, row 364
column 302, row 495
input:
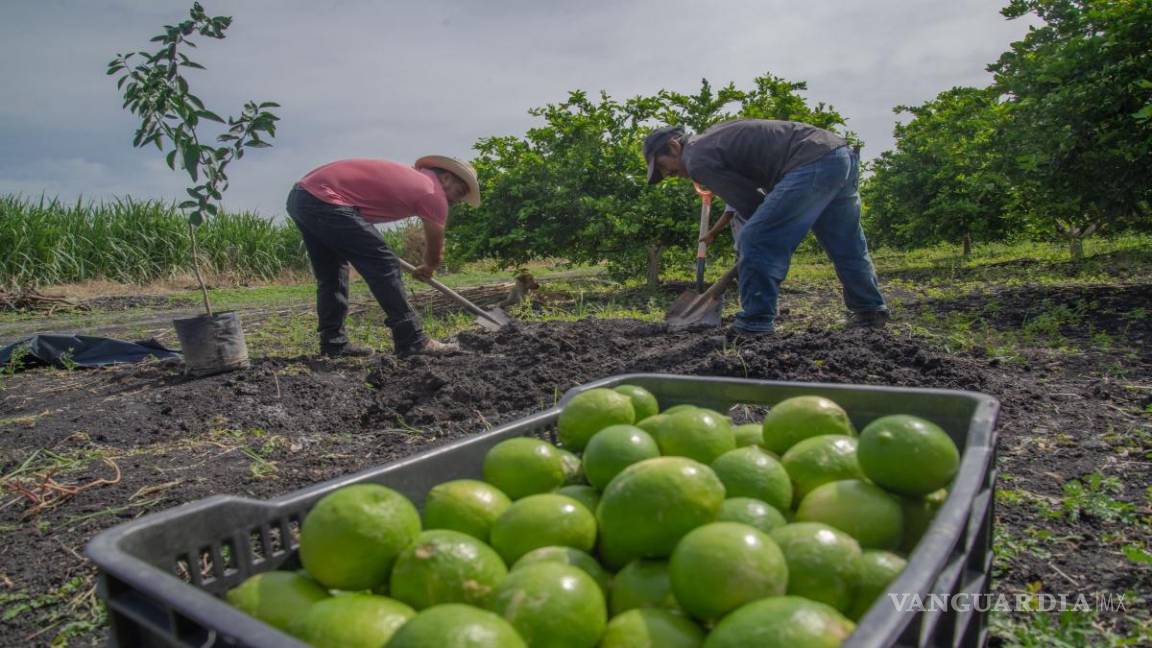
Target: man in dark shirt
column 788, row 178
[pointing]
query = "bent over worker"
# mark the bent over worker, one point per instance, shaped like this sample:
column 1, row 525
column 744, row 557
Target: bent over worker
column 787, row 178
column 335, row 207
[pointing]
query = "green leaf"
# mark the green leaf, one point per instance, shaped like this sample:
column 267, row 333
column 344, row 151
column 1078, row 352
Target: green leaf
column 1137, row 554
column 171, row 159
column 192, row 161
column 196, row 218
column 268, row 104
column 208, row 114
column 188, row 204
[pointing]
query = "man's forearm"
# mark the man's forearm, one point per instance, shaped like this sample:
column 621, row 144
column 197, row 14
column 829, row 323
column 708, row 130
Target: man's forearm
column 433, row 245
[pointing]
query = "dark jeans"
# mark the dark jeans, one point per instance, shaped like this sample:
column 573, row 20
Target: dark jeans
column 335, row 237
column 820, row 197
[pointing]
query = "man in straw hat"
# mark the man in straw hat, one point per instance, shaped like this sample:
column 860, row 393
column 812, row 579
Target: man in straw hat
column 786, row 178
column 335, row 207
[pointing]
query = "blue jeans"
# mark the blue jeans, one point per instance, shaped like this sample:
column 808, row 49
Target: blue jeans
column 820, row 196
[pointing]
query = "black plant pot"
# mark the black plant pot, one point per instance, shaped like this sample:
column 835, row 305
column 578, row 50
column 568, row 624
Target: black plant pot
column 212, row 344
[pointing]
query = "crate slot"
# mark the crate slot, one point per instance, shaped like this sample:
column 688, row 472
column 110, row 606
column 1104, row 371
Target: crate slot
column 183, row 570
column 275, row 542
column 294, row 531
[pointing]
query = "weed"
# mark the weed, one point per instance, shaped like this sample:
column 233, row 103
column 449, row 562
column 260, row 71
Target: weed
column 1093, row 497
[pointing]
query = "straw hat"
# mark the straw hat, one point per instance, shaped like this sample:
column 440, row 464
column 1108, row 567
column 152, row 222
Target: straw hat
column 458, row 168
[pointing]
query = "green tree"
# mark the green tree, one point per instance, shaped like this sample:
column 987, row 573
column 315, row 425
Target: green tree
column 943, row 181
column 1078, row 131
column 156, row 91
column 574, row 187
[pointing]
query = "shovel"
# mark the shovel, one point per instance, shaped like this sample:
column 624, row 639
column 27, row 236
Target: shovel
column 492, row 320
column 692, row 310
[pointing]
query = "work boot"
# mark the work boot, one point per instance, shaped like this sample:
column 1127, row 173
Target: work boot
column 434, row 348
column 347, row 350
column 867, row 319
column 734, row 334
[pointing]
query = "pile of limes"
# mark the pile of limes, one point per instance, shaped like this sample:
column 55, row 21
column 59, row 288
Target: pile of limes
column 647, row 528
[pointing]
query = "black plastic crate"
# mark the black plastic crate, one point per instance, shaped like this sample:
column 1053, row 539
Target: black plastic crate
column 162, row 576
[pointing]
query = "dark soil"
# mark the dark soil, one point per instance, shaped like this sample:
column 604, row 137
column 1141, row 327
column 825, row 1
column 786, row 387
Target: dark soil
column 175, row 440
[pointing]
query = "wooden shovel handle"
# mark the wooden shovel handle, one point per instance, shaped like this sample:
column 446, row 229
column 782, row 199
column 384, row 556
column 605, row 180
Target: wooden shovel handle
column 455, row 296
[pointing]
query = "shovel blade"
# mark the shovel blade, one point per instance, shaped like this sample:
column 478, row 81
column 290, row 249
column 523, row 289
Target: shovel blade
column 494, row 319
column 693, row 310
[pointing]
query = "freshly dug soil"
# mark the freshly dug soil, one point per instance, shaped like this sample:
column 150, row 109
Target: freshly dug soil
column 288, row 423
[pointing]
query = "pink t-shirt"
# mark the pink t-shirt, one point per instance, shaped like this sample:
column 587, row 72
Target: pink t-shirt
column 383, row 191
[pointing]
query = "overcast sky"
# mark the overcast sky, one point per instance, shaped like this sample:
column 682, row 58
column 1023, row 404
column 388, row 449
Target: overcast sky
column 397, row 80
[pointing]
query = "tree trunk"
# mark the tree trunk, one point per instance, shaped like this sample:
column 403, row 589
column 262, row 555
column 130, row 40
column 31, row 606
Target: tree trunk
column 1076, row 248
column 967, row 245
column 196, row 269
column 655, row 252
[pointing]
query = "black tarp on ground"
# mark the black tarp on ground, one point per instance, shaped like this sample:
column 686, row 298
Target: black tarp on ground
column 66, row 351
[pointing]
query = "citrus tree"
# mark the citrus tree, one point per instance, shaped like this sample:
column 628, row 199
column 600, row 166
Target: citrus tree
column 943, row 181
column 1078, row 132
column 575, row 186
column 156, row 91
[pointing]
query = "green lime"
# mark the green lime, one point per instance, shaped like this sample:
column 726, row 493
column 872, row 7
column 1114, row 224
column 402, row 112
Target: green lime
column 351, row 537
column 877, row 571
column 615, row 448
column 781, row 622
column 444, row 566
column 642, row 584
column 278, row 598
column 465, row 505
column 718, row 567
column 524, row 466
column 908, row 455
column 819, row 460
column 643, row 401
column 542, row 521
column 651, row 628
column 650, row 505
column 455, row 625
column 750, row 472
column 591, row 411
column 803, row 417
column 573, row 467
column 864, row 511
column 749, row 434
column 583, row 493
column 695, row 433
column 822, row 562
column 752, row 512
column 352, row 621
column 568, row 556
column 551, row 604
column 918, row 515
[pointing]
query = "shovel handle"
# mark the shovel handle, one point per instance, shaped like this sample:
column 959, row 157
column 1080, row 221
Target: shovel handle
column 705, row 216
column 455, row 296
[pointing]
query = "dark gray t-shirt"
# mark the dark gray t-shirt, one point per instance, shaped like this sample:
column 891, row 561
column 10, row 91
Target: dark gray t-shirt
column 737, row 159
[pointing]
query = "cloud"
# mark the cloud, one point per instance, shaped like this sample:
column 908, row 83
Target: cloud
column 399, row 80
